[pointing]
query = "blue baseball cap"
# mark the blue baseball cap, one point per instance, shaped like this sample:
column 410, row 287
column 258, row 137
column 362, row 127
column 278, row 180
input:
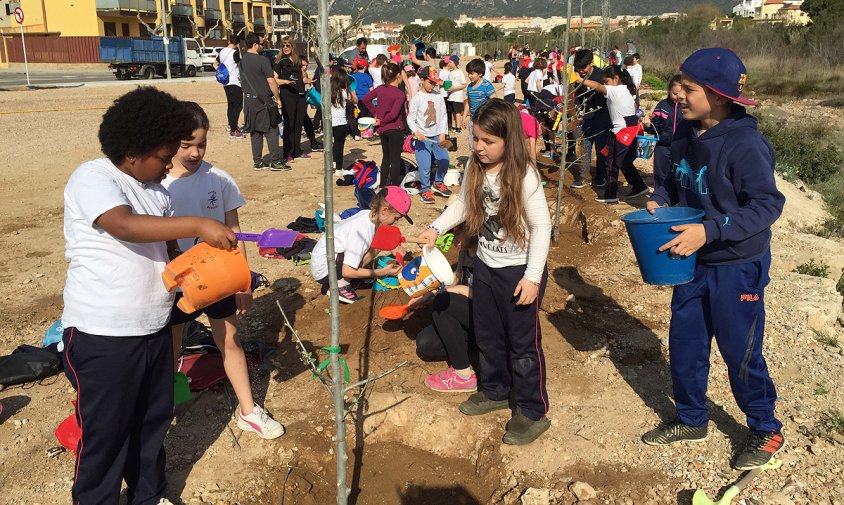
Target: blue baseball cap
column 720, row 70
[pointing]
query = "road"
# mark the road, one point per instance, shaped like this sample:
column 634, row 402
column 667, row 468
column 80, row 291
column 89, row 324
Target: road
column 46, row 78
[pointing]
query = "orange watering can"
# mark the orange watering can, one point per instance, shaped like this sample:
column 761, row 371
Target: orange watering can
column 206, row 275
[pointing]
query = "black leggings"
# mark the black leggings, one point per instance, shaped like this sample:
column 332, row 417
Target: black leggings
column 450, row 332
column 392, row 142
column 621, row 157
column 294, row 107
column 234, row 99
column 338, row 134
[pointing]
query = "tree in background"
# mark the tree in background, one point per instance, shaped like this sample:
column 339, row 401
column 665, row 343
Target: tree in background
column 413, row 31
column 443, row 28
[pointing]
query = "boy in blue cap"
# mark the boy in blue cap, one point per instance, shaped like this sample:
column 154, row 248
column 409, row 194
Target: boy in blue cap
column 725, row 167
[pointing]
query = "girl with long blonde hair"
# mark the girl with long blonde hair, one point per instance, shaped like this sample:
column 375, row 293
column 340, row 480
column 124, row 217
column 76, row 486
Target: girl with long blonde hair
column 502, row 202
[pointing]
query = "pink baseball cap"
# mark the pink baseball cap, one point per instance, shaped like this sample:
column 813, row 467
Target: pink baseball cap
column 399, row 200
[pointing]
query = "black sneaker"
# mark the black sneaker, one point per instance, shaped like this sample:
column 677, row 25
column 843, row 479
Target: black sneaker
column 675, row 431
column 317, row 147
column 278, row 166
column 635, row 192
column 759, row 448
column 259, row 165
column 521, row 430
column 478, row 404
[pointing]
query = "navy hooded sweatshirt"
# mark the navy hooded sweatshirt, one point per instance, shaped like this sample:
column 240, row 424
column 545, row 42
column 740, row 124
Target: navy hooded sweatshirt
column 728, row 172
column 666, row 119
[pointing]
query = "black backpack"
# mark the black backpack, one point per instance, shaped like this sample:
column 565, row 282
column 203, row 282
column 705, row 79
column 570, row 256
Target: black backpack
column 28, row 364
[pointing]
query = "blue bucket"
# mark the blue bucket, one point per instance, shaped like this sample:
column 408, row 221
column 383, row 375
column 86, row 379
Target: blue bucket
column 645, row 147
column 648, row 232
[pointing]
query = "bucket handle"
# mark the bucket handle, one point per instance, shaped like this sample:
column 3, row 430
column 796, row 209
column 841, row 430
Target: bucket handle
column 248, row 237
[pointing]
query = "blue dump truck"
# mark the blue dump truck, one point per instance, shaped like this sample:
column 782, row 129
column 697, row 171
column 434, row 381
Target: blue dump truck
column 129, row 57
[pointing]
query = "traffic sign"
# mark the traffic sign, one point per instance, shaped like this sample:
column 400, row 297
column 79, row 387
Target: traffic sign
column 18, row 15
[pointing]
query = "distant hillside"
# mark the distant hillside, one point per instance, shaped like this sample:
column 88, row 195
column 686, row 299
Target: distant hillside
column 404, row 11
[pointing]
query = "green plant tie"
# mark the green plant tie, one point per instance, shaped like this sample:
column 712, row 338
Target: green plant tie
column 444, row 242
column 330, row 349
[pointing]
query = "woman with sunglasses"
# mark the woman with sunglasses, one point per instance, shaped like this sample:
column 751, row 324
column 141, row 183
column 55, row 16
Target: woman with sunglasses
column 291, row 86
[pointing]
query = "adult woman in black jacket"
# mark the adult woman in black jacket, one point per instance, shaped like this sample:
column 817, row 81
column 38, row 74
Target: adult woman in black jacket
column 291, row 87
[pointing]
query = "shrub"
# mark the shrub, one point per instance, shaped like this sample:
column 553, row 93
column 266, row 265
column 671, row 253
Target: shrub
column 814, row 269
column 840, row 286
column 801, row 154
column 654, row 81
column 834, row 421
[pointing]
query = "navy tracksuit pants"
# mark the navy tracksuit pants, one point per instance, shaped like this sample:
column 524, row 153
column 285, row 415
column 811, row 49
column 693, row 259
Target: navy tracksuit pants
column 124, row 405
column 727, row 301
column 663, row 171
column 509, row 339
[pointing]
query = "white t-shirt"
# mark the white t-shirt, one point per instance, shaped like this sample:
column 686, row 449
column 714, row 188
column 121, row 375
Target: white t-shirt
column 338, row 114
column 509, row 84
column 498, row 252
column 620, row 104
column 113, row 288
column 635, row 72
column 352, row 237
column 488, row 71
column 535, row 80
column 208, row 192
column 375, row 72
column 426, row 114
column 458, row 78
column 227, row 58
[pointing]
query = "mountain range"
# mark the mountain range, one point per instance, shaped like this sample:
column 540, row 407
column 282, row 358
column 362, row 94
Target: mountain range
column 403, row 11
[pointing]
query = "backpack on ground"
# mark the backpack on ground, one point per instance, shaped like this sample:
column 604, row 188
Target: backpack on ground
column 29, row 364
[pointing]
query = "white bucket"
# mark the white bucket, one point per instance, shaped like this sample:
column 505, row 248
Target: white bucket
column 453, row 177
column 426, row 272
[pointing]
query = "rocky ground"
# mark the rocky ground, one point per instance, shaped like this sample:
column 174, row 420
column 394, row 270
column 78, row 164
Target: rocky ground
column 605, row 336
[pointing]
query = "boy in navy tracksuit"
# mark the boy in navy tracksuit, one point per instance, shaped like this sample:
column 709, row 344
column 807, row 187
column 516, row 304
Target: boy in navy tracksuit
column 666, row 119
column 724, row 166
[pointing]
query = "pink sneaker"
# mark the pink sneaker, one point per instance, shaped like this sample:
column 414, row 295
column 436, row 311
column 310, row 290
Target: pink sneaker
column 451, row 382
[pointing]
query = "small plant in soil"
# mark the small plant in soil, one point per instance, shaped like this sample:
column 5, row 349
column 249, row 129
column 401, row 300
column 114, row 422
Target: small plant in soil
column 826, row 340
column 834, row 421
column 821, row 389
column 840, row 286
column 814, row 269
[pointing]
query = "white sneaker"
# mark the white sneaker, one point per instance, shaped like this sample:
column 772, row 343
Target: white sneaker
column 260, row 422
column 165, row 501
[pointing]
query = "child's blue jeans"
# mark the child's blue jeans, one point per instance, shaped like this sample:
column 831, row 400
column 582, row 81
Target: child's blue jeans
column 426, row 154
column 727, row 302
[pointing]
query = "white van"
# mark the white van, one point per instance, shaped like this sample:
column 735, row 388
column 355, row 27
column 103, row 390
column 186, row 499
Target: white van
column 372, row 50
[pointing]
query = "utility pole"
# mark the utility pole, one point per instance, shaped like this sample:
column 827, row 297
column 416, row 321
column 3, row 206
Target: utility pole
column 605, row 14
column 165, row 39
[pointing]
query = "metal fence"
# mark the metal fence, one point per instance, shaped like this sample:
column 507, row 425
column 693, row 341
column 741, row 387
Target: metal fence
column 54, row 49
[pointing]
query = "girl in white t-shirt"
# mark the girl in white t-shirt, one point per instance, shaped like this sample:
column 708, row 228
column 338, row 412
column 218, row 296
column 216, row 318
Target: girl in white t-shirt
column 620, row 92
column 502, row 202
column 341, row 94
column 117, row 343
column 200, row 189
column 536, row 80
column 352, row 240
column 509, row 83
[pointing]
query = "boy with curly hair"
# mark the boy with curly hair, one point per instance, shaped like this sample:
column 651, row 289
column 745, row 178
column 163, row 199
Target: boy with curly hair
column 118, row 347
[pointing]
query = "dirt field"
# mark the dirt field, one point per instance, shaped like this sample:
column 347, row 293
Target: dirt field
column 608, row 375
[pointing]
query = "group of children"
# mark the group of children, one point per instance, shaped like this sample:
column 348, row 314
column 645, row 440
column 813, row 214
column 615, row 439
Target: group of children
column 129, row 213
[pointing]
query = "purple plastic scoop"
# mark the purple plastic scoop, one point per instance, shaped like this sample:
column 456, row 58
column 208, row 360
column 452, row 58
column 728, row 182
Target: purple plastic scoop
column 270, row 238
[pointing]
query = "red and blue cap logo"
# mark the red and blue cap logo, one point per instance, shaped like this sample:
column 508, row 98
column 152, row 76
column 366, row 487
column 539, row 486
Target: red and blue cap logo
column 720, row 70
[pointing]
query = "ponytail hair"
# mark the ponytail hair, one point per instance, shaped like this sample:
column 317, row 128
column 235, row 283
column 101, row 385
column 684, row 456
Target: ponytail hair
column 676, row 79
column 613, row 71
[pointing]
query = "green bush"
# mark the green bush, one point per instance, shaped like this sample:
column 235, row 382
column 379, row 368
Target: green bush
column 654, row 81
column 801, row 154
column 814, row 269
column 840, row 286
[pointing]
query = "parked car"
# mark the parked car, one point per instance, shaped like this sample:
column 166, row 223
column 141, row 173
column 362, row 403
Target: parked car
column 209, row 56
